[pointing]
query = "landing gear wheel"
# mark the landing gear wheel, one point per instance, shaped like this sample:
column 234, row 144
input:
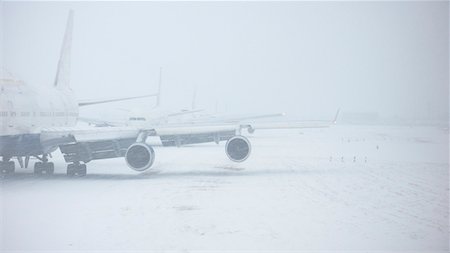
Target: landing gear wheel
column 7, row 167
column 82, row 170
column 44, row 168
column 38, row 166
column 71, row 168
column 76, row 170
column 11, row 167
column 50, row 168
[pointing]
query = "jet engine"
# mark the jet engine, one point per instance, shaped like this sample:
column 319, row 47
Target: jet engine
column 140, row 156
column 238, row 148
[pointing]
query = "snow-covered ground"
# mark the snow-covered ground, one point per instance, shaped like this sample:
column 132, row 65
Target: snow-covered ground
column 342, row 188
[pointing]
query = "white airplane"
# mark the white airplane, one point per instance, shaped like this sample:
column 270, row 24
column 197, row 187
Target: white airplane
column 142, row 117
column 35, row 123
column 226, row 118
column 156, row 116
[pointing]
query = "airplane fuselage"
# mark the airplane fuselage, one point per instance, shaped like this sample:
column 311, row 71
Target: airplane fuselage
column 25, row 112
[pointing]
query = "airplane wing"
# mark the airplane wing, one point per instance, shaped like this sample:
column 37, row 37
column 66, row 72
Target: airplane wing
column 156, row 120
column 232, row 118
column 84, row 144
column 101, row 123
column 61, row 135
column 163, row 119
column 292, row 124
column 93, row 143
column 102, row 101
column 184, row 112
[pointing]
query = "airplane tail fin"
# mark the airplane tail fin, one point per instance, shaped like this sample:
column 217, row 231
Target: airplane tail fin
column 62, row 80
column 158, row 95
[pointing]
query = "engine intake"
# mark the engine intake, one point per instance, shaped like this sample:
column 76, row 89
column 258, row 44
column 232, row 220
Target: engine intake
column 140, row 156
column 238, row 148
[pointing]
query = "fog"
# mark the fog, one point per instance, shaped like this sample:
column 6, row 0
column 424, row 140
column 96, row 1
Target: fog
column 376, row 181
column 303, row 58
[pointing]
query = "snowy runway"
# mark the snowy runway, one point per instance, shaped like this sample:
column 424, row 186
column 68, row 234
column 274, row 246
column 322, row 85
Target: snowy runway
column 343, row 188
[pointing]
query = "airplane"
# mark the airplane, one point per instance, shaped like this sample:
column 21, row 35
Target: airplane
column 35, row 123
column 226, row 118
column 157, row 116
column 140, row 117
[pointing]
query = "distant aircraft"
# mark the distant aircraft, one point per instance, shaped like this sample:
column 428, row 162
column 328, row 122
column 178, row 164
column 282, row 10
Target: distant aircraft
column 141, row 117
column 35, row 123
column 156, row 116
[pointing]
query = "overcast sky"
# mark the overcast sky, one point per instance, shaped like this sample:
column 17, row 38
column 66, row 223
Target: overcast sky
column 305, row 59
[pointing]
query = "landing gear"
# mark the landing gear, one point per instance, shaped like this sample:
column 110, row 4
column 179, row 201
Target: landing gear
column 7, row 167
column 44, row 167
column 47, row 168
column 76, row 169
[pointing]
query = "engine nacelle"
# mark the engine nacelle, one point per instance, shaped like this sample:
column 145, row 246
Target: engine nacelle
column 140, row 156
column 238, row 148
